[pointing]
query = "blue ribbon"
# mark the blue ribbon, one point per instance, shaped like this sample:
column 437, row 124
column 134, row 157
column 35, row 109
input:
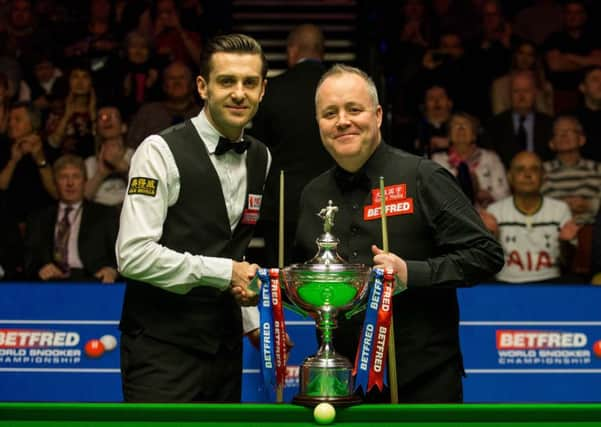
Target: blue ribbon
column 268, row 364
column 367, row 339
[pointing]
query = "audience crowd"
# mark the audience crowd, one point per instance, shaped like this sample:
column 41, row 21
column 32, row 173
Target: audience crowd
column 509, row 103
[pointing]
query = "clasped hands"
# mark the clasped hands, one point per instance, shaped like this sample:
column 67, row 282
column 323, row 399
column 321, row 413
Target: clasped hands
column 242, row 275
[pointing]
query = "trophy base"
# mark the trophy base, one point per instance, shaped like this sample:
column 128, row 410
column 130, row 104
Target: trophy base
column 326, row 378
column 338, row 402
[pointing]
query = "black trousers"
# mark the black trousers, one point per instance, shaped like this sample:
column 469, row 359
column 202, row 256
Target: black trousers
column 440, row 385
column 157, row 371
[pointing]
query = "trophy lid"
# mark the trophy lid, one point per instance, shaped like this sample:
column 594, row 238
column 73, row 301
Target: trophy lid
column 327, row 243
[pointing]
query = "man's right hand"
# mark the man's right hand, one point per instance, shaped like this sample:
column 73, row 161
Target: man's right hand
column 242, row 274
column 51, row 271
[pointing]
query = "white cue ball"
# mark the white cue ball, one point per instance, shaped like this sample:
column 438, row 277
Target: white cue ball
column 324, row 413
column 109, row 342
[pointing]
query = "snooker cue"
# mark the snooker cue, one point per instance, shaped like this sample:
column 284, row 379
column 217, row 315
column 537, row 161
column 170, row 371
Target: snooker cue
column 392, row 379
column 280, row 387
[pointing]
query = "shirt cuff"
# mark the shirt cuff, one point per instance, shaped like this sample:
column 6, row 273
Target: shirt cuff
column 418, row 274
column 250, row 319
column 217, row 272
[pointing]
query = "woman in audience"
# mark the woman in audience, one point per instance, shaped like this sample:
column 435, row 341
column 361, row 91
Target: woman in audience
column 140, row 73
column 480, row 171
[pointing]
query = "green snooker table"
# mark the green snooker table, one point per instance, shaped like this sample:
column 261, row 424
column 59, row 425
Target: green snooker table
column 262, row 415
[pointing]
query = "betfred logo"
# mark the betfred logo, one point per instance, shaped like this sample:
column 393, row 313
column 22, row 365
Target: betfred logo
column 25, row 338
column 399, row 208
column 529, row 340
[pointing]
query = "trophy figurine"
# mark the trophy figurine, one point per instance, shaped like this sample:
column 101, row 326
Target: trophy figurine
column 326, row 285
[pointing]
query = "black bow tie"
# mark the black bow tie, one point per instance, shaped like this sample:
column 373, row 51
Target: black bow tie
column 224, row 145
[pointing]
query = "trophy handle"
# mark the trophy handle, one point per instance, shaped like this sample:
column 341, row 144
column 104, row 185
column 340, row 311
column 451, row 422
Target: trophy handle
column 398, row 288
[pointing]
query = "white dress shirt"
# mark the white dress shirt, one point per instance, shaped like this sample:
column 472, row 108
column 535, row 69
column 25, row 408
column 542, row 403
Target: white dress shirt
column 141, row 257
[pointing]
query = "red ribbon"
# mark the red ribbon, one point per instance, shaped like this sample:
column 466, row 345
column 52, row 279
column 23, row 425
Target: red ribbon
column 279, row 326
column 382, row 334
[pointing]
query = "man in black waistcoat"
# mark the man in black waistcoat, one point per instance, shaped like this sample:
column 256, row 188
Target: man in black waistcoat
column 437, row 241
column 193, row 199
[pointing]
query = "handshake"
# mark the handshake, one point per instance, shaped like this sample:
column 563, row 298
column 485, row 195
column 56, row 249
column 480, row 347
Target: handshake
column 242, row 275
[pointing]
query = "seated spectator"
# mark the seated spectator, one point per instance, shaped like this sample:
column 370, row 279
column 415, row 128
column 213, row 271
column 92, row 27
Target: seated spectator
column 569, row 176
column 4, row 103
column 430, row 132
column 18, row 89
column 596, row 251
column 490, row 54
column 173, row 42
column 25, row 174
column 521, row 127
column 448, row 66
column 538, row 21
column 11, row 244
column 74, row 239
column 524, row 58
column 44, row 75
column 481, row 168
column 96, row 41
column 460, row 17
column 589, row 112
column 22, row 34
column 73, row 133
column 568, row 53
column 408, row 37
column 107, row 170
column 535, row 231
column 179, row 104
column 140, row 73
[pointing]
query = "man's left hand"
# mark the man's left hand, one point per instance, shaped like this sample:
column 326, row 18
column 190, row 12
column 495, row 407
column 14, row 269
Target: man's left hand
column 569, row 231
column 386, row 260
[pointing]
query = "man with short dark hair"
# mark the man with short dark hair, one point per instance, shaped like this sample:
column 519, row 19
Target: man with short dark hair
column 188, row 216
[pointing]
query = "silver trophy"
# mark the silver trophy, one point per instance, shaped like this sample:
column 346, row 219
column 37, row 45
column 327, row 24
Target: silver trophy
column 324, row 286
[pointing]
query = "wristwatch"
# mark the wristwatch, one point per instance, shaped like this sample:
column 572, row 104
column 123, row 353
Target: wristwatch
column 43, row 164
